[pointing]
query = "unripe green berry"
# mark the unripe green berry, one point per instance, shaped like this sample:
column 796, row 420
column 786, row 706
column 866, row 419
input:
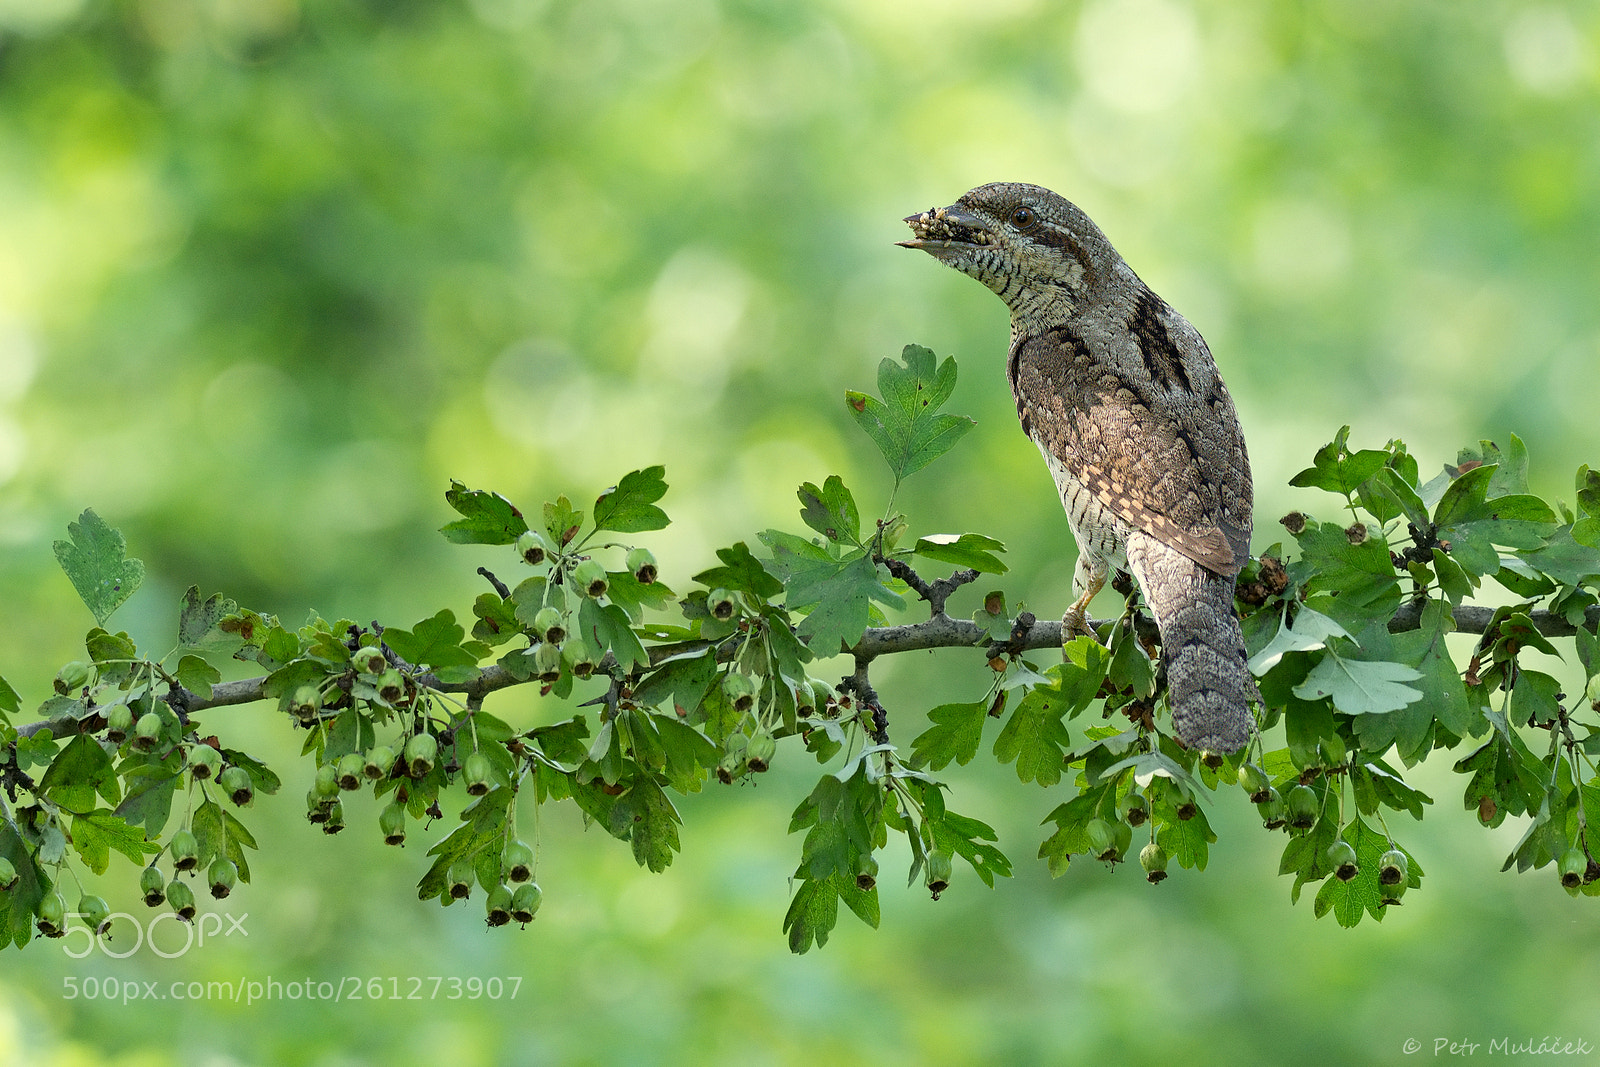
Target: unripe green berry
column 351, row 770
column 1574, row 863
column 1301, row 807
column 204, row 762
column 1153, row 858
column 223, row 876
column 119, row 723
column 461, row 876
column 866, row 872
column 525, row 902
column 1272, row 809
column 8, row 875
column 739, row 689
column 547, row 663
column 317, row 807
column 477, row 773
column 939, row 872
column 1102, row 839
column 1134, row 809
column 1393, row 868
column 326, row 784
column 335, row 818
column 153, row 884
column 1391, row 894
column 73, row 677
column 643, row 565
column 547, row 625
column 391, row 686
column 305, row 703
column 180, row 898
column 1341, row 857
column 1331, row 752
column 581, row 658
column 590, row 578
column 147, row 731
column 805, row 700
column 1254, row 780
column 370, row 660
column 517, row 861
column 236, row 782
column 95, row 913
column 720, row 603
column 534, row 548
column 51, row 914
column 378, row 763
column 759, row 751
column 1212, row 759
column 421, row 750
column 392, row 821
column 185, row 851
column 731, row 766
column 498, row 906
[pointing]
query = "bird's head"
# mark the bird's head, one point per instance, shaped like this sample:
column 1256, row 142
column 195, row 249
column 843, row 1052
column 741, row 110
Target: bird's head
column 1041, row 254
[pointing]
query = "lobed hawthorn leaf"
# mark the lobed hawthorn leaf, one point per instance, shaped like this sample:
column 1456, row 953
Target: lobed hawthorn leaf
column 838, row 592
column 645, row 817
column 487, row 518
column 10, row 701
column 814, row 911
column 1362, row 575
column 17, row 904
column 79, row 772
column 831, row 510
column 97, row 564
column 742, row 572
column 1563, row 558
column 199, row 622
column 1337, row 469
column 435, row 643
column 96, row 833
column 1360, row 687
column 905, row 424
column 629, row 506
column 955, row 734
column 1309, row 631
column 966, row 550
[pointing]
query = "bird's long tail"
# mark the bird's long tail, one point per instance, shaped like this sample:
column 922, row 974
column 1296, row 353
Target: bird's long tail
column 1210, row 686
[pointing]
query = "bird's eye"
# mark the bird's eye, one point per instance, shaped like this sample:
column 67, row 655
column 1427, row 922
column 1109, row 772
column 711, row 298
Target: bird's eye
column 1022, row 218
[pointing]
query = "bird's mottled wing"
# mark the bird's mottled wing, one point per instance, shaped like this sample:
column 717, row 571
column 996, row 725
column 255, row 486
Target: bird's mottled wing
column 1180, row 476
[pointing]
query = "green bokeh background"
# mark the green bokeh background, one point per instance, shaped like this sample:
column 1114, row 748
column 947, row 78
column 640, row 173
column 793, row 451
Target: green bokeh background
column 273, row 271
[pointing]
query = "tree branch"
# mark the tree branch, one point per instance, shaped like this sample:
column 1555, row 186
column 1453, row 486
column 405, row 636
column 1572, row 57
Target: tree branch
column 941, row 631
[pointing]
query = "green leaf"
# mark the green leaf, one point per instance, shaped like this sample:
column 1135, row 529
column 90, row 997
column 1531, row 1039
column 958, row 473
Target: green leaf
column 488, row 518
column 10, row 703
column 905, row 424
column 742, row 572
column 1309, row 631
column 1034, row 735
column 1186, row 840
column 96, row 833
column 814, row 910
column 1564, row 559
column 197, row 676
column 967, row 550
column 606, row 627
column 198, row 622
column 434, row 643
column 644, row 817
column 831, row 510
column 1358, row 686
column 629, row 506
column 838, row 592
column 1362, row 576
column 561, row 520
column 149, row 799
column 1337, row 469
column 957, row 729
column 97, row 564
column 81, row 770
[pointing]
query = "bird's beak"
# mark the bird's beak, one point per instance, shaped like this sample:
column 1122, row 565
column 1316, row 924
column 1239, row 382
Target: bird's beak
column 941, row 228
